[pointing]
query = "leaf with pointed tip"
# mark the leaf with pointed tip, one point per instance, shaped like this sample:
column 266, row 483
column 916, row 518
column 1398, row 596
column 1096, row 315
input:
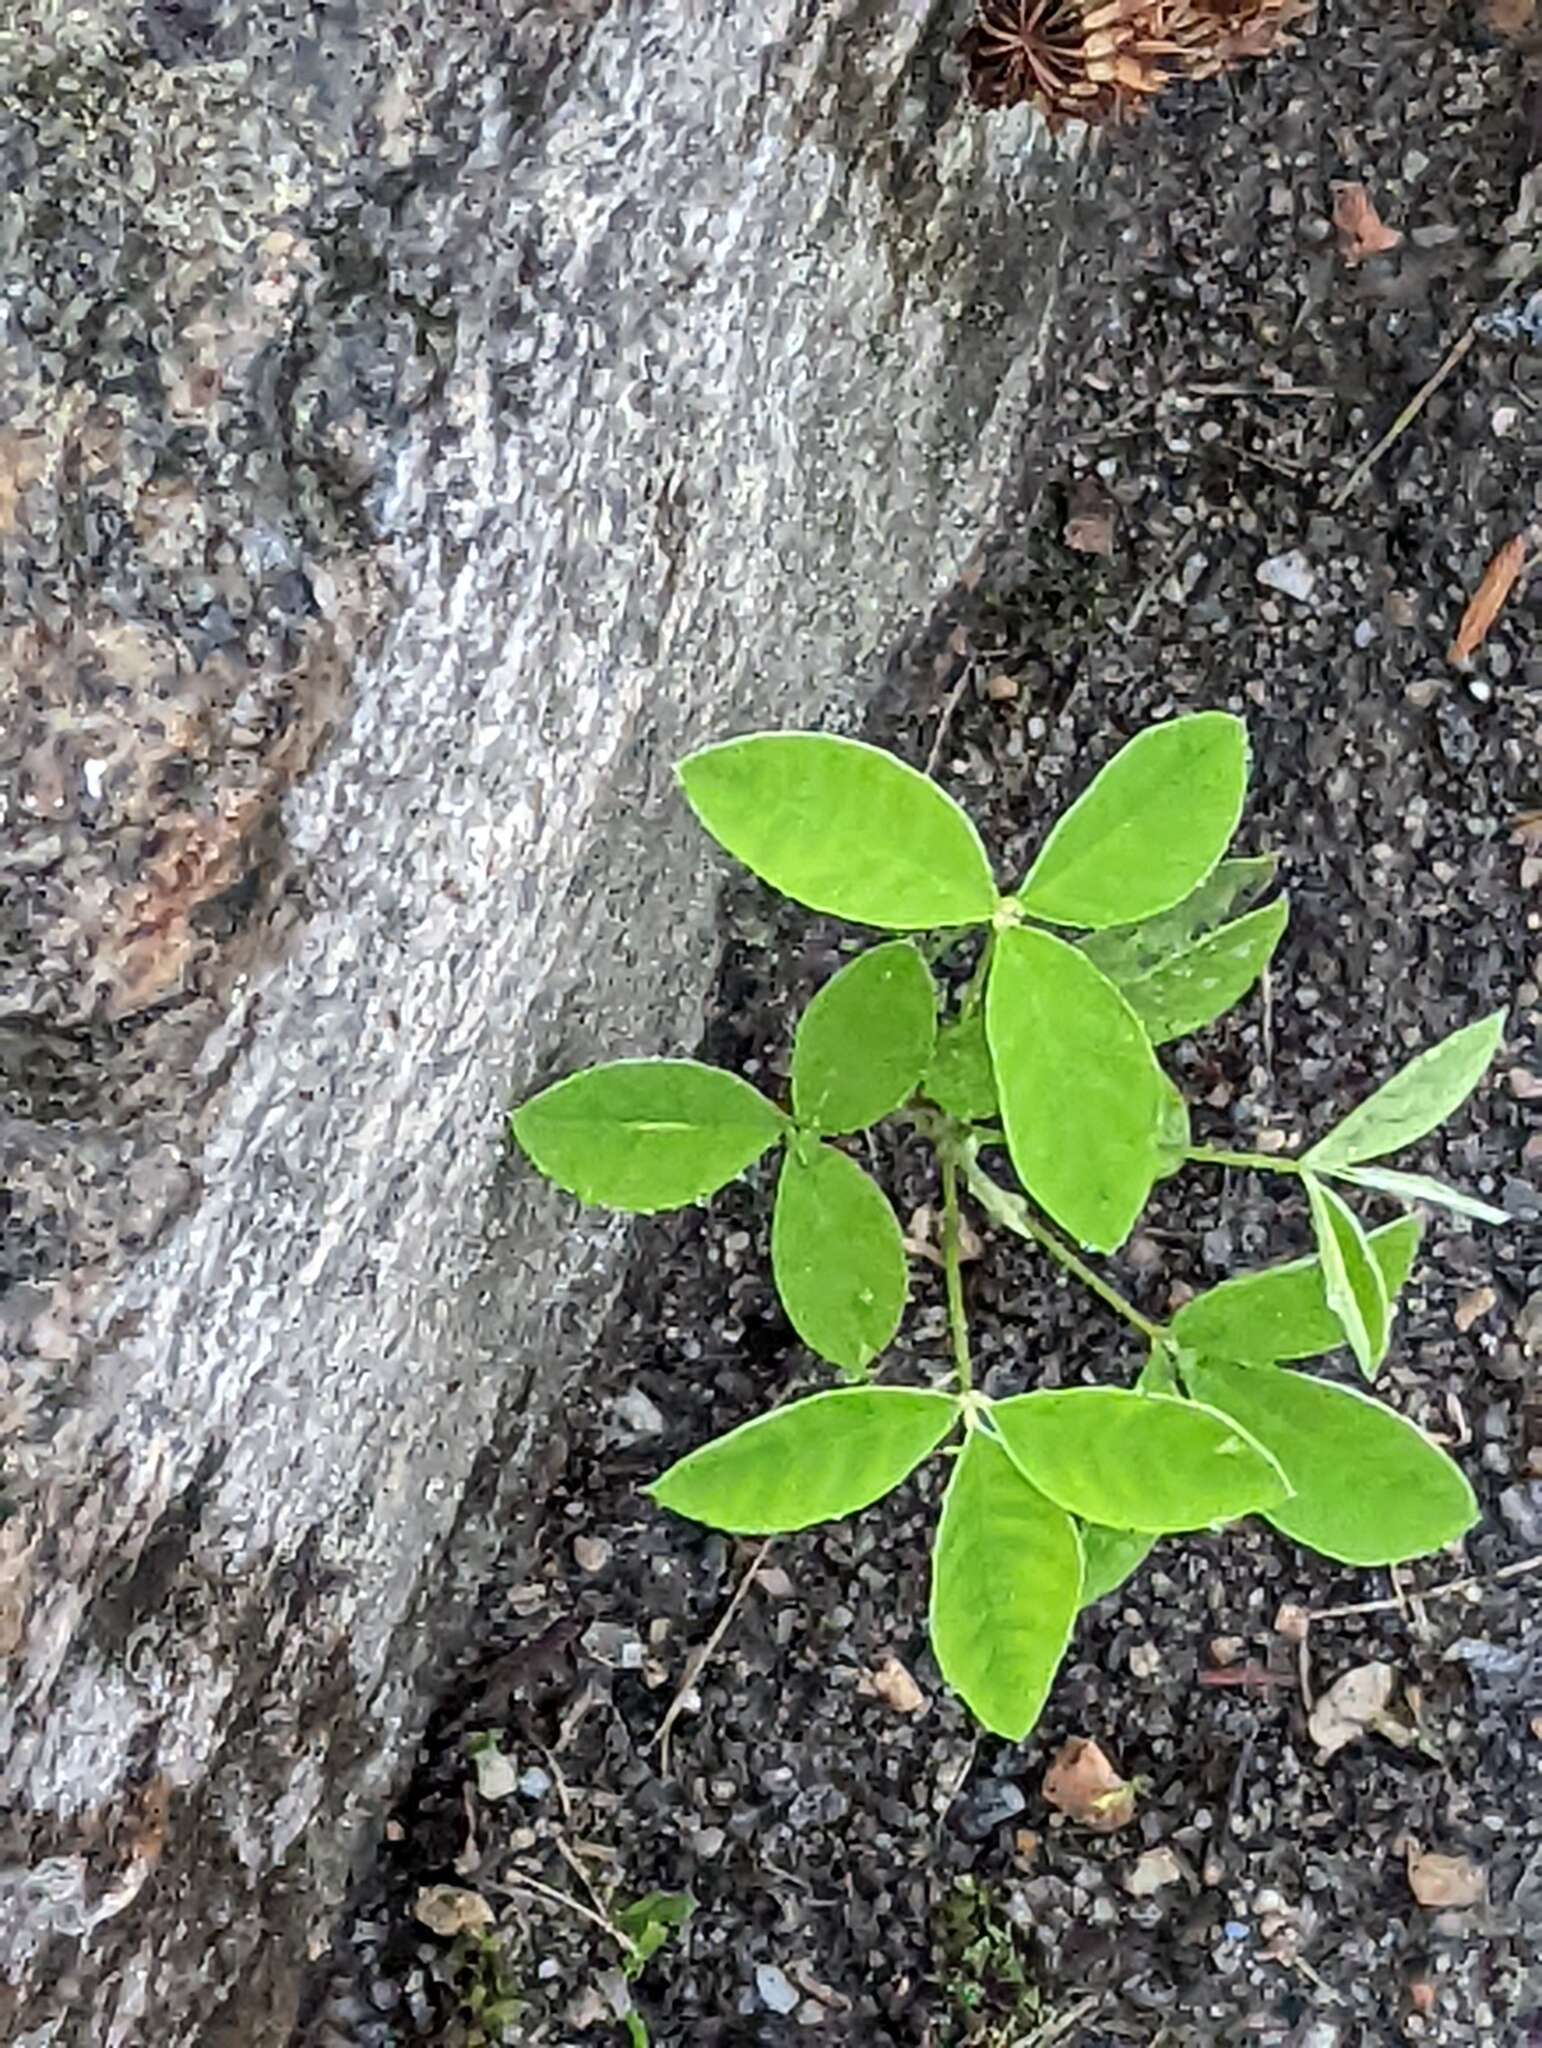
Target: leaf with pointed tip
column 645, row 1135
column 1147, row 829
column 864, row 1041
column 842, row 827
column 1282, row 1312
column 1418, row 1187
column 1006, row 1588
column 1352, row 1280
column 1200, row 984
column 1089, row 1114
column 1109, row 1557
column 815, row 1460
column 837, row 1255
column 1369, row 1488
column 960, row 1078
column 1125, row 952
column 1416, row 1100
column 1137, row 1461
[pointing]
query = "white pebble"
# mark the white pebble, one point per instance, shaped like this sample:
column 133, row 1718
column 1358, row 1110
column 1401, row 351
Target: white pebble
column 1291, row 574
column 773, row 1989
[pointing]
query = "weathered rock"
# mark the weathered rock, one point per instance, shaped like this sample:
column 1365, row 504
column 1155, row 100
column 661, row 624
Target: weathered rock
column 420, row 423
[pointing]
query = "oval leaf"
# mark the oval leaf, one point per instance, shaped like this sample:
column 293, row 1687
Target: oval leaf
column 1418, row 1187
column 864, row 1041
column 960, row 1079
column 1203, row 982
column 812, row 1461
column 1369, row 1488
column 1147, row 829
column 1137, row 1461
column 1352, row 1280
column 644, row 1135
column 838, row 1257
column 1088, row 1112
column 1006, row 1587
column 1416, row 1100
column 1125, row 952
column 1109, row 1557
column 844, row 828
column 1283, row 1312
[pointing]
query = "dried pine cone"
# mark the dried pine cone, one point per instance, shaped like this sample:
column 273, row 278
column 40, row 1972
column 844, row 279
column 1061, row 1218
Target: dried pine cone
column 1219, row 33
column 1035, row 50
column 1101, row 60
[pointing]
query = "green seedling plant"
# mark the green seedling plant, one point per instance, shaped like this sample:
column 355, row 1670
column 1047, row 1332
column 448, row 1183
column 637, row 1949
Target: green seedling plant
column 645, row 1927
column 1037, row 1085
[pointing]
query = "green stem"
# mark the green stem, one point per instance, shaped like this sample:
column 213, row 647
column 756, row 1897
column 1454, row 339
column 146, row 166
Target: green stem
column 1013, row 1214
column 952, row 1266
column 975, row 987
column 1252, row 1162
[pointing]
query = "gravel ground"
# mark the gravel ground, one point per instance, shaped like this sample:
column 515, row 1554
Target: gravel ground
column 867, row 1869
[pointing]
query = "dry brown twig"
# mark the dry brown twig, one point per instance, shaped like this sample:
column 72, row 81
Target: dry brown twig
column 1472, row 1582
column 698, row 1660
column 1490, row 597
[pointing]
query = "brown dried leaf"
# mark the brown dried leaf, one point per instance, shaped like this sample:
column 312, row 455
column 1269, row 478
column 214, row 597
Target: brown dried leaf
column 1082, row 1784
column 1489, row 599
column 1090, row 527
column 449, row 1910
column 1362, row 231
column 1151, row 1872
column 1353, row 1706
column 1437, row 1880
column 1473, row 1307
column 1510, row 17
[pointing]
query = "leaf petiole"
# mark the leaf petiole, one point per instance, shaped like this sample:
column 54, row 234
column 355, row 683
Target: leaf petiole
column 958, row 1322
column 1249, row 1162
column 1013, row 1214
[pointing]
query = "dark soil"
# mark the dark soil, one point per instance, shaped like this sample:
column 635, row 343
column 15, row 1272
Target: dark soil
column 891, row 1876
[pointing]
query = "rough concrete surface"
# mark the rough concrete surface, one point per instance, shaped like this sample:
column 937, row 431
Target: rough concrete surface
column 418, row 424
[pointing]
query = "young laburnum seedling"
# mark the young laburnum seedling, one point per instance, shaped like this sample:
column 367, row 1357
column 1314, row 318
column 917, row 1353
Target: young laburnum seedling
column 1130, row 929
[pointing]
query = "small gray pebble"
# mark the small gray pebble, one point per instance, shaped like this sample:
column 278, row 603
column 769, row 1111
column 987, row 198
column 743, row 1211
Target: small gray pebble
column 988, row 1806
column 637, row 1415
column 1521, row 1507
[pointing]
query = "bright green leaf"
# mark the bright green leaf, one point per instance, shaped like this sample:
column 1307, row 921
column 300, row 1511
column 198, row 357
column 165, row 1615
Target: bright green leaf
column 1159, row 1374
column 648, row 1924
column 645, row 1135
column 1088, row 1112
column 837, row 1256
column 1006, row 1587
column 960, row 1079
column 1137, row 1461
column 1352, row 1280
column 1199, row 985
column 1415, row 1100
column 1370, row 1488
column 1174, row 1135
column 844, row 828
column 864, row 1041
column 1109, row 1557
column 1283, row 1312
column 1125, row 952
column 1147, row 829
column 1418, row 1187
column 812, row 1461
